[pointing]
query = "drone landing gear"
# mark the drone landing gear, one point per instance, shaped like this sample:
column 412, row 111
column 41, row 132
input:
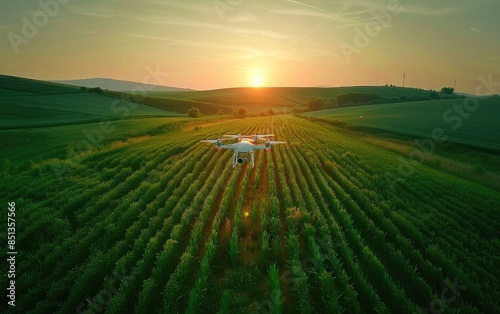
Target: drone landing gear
column 237, row 160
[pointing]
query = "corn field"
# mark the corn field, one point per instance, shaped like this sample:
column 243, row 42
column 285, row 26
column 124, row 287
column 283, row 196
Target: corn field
column 165, row 225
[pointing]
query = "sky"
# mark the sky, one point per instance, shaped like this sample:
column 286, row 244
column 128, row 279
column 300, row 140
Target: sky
column 210, row 44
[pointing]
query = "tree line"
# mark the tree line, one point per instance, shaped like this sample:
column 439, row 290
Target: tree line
column 355, row 99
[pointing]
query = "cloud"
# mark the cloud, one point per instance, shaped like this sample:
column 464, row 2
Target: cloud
column 300, row 4
column 226, row 27
column 87, row 32
column 244, row 17
column 429, row 11
column 198, row 7
column 196, row 43
column 475, row 30
column 98, row 12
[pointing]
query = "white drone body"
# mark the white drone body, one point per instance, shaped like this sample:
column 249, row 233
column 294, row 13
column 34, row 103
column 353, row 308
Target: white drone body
column 246, row 144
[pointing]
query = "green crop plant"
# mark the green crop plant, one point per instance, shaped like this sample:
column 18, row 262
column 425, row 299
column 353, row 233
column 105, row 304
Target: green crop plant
column 151, row 204
column 234, row 246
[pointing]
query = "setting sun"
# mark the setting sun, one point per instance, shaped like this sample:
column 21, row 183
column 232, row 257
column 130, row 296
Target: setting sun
column 257, row 81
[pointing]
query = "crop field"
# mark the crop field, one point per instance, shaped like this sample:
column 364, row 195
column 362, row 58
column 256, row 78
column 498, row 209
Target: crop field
column 469, row 121
column 152, row 221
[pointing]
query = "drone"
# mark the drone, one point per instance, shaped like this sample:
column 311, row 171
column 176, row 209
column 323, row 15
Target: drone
column 246, row 144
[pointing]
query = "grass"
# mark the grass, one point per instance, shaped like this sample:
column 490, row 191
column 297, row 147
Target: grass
column 427, row 120
column 30, row 103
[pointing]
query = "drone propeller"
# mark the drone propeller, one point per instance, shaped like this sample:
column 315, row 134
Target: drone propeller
column 209, row 141
column 275, row 142
column 214, row 141
column 232, row 136
column 263, row 135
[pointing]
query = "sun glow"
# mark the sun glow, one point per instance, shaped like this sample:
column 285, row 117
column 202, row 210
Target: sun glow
column 257, row 81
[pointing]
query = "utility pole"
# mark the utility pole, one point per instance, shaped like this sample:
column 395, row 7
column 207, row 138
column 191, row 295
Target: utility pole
column 377, row 79
column 404, row 74
column 455, row 85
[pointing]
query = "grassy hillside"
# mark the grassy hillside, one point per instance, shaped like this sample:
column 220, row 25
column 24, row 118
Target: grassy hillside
column 118, row 85
column 478, row 128
column 180, row 106
column 35, row 101
column 32, row 103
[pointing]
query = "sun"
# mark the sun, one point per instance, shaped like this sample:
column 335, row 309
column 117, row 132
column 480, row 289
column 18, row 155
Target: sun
column 257, row 81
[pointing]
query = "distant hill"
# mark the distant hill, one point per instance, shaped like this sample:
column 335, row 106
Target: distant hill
column 279, row 98
column 173, row 101
column 119, row 85
column 33, row 103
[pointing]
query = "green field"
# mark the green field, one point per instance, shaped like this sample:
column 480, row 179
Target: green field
column 135, row 223
column 477, row 126
column 135, row 215
column 30, row 103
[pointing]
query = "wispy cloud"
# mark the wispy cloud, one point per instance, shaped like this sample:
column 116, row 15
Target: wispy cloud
column 100, row 12
column 430, row 12
column 203, row 7
column 197, row 43
column 300, row 4
column 493, row 58
column 87, row 32
column 154, row 18
column 226, row 27
column 475, row 30
column 244, row 17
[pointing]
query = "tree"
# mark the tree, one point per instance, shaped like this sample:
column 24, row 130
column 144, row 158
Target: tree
column 194, row 113
column 434, row 95
column 297, row 109
column 220, row 113
column 315, row 103
column 242, row 112
column 447, row 90
column 96, row 90
column 356, row 98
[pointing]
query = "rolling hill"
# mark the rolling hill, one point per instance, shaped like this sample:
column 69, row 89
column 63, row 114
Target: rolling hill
column 33, row 103
column 119, row 85
column 477, row 127
column 284, row 99
column 255, row 100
